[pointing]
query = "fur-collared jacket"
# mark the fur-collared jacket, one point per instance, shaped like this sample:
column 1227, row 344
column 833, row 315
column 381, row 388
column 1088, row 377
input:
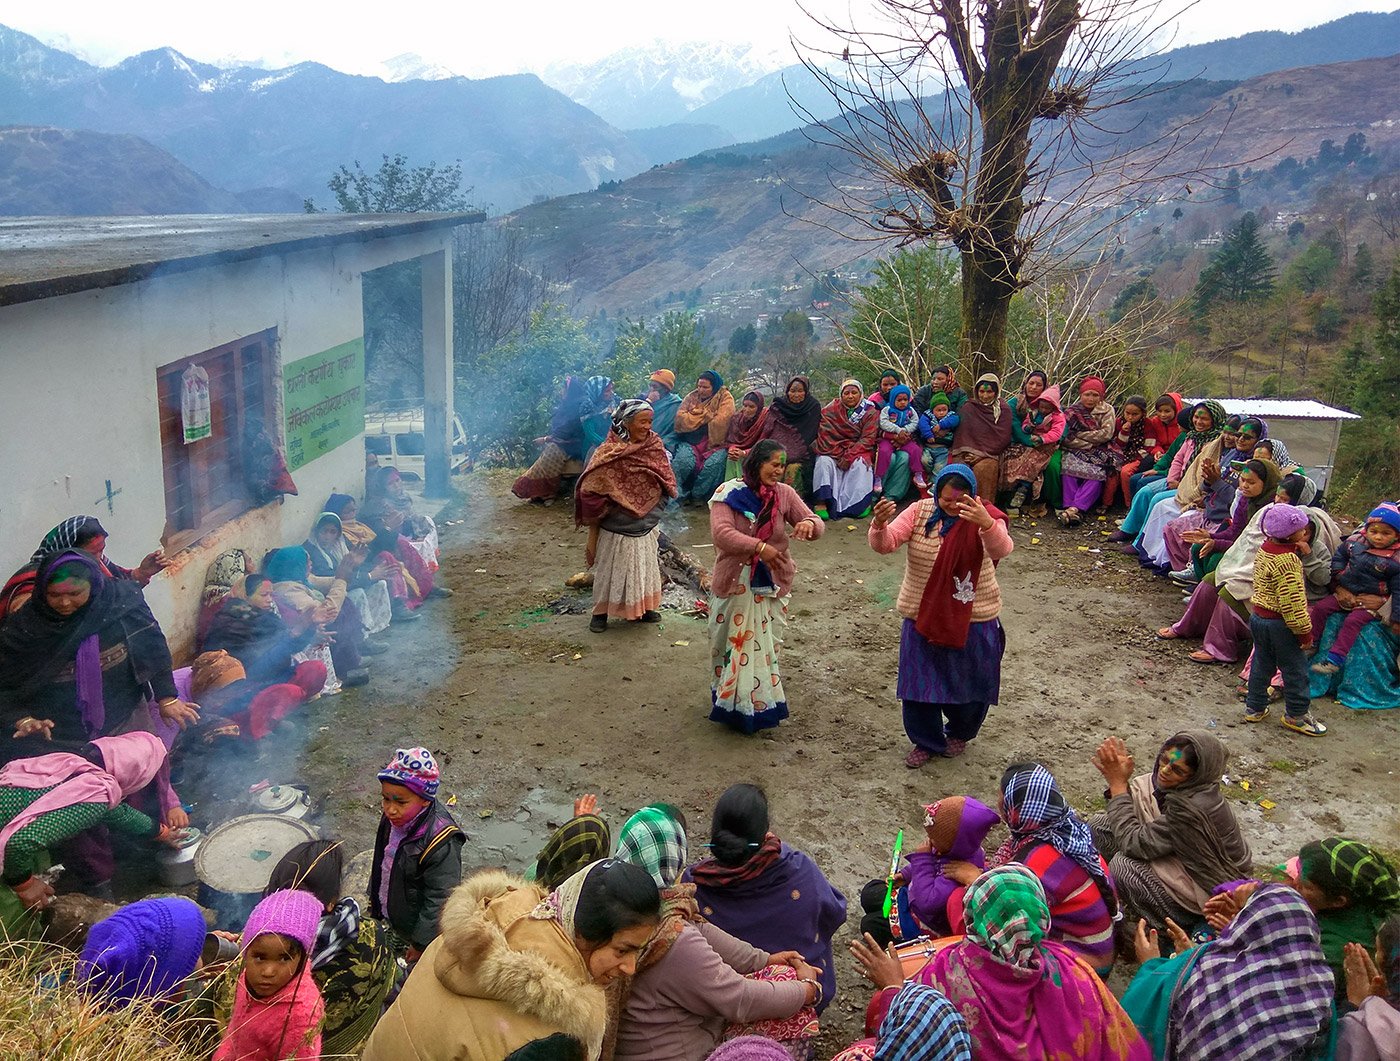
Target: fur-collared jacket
column 494, row 980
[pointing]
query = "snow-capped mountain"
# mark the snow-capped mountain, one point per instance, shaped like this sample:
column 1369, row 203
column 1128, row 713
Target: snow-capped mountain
column 662, row 82
column 412, row 67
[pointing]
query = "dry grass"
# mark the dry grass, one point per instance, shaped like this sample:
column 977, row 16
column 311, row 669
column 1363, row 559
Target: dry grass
column 43, row 1016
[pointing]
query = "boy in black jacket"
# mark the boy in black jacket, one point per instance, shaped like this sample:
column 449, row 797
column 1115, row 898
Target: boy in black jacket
column 417, row 854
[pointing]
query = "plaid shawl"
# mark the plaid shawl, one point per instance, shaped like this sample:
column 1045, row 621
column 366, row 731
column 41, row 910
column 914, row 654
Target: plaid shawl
column 1262, row 990
column 841, row 439
column 922, row 1025
column 654, row 840
column 1008, row 915
column 574, row 845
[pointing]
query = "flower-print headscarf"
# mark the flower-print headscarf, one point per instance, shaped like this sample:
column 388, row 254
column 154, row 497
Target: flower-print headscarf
column 626, row 410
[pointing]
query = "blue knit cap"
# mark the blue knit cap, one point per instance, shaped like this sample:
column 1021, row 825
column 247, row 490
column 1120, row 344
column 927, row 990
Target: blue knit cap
column 1386, row 512
column 142, row 951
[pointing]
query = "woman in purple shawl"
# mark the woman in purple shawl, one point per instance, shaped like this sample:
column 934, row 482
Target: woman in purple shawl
column 766, row 893
column 81, row 660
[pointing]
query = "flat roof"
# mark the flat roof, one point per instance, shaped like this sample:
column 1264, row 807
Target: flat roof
column 41, row 257
column 1285, row 408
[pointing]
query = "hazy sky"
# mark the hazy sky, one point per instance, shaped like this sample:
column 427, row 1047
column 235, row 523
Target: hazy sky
column 477, row 38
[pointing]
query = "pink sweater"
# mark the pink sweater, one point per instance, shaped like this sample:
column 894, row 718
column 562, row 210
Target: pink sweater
column 284, row 1027
column 678, row 1008
column 908, row 527
column 735, row 543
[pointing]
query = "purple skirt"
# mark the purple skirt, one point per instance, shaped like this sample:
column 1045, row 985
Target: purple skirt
column 931, row 674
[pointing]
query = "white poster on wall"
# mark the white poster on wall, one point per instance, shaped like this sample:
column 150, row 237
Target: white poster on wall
column 195, row 416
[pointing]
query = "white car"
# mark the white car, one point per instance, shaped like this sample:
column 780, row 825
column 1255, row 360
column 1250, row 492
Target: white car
column 396, row 438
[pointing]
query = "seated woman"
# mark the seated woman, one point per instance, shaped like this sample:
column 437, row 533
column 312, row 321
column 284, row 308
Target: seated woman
column 693, row 979
column 82, row 659
column 1369, row 678
column 145, row 951
column 1371, row 1032
column 574, row 430
column 352, row 963
column 1054, row 843
column 764, row 892
column 914, row 1022
column 984, row 432
column 356, row 534
column 1188, row 469
column 387, row 484
column 843, row 475
column 370, row 586
column 724, row 463
column 792, row 422
column 702, row 425
column 1088, row 457
column 1037, row 426
column 664, row 401
column 1352, row 889
column 514, row 965
column 307, row 603
column 1170, row 835
column 86, row 533
column 1256, row 486
column 52, row 798
column 1261, row 989
column 1021, row 993
column 1206, row 422
column 390, row 545
column 250, row 629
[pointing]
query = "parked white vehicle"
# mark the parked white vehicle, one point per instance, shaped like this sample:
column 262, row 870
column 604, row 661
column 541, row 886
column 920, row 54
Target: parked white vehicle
column 396, row 439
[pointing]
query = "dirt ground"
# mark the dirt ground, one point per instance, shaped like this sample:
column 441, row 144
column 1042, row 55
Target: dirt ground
column 527, row 708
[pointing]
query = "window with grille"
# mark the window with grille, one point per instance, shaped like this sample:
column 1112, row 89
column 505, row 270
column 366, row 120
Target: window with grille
column 205, row 481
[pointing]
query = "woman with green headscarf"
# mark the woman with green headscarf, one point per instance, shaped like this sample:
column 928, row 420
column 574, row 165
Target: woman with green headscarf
column 1352, row 888
column 1022, row 995
column 695, row 983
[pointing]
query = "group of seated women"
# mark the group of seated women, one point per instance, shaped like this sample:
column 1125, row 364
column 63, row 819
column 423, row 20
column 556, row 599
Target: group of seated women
column 93, row 707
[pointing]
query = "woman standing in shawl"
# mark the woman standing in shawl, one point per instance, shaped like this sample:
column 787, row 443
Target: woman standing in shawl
column 370, row 586
column 702, row 425
column 52, row 798
column 1022, row 994
column 1260, row 990
column 1170, row 836
column 1089, row 458
column 760, row 890
column 1054, row 843
column 85, row 533
column 82, row 659
column 694, row 978
column 664, row 401
column 574, row 429
column 951, row 643
column 620, row 498
column 984, row 432
column 843, row 476
column 792, row 422
column 308, row 603
column 745, row 429
column 751, row 587
column 514, row 965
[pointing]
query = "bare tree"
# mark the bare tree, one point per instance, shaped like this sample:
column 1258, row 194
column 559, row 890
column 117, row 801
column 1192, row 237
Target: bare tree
column 986, row 124
column 495, row 289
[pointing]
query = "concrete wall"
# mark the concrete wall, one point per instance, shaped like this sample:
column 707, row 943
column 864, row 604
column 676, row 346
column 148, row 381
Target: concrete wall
column 78, row 403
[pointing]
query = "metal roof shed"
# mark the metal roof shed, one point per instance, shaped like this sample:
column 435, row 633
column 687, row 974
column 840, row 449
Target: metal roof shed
column 1310, row 429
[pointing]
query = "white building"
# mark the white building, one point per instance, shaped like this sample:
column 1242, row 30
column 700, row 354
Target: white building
column 1310, row 429
column 106, row 322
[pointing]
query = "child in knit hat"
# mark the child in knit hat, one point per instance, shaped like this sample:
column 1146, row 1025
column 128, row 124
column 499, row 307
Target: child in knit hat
column 277, row 1008
column 144, row 950
column 1366, row 565
column 417, row 853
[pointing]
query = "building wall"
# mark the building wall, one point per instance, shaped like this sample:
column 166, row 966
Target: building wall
column 79, row 407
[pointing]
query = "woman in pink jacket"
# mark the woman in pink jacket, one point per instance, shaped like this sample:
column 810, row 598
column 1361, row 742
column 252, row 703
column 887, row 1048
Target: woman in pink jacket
column 749, row 521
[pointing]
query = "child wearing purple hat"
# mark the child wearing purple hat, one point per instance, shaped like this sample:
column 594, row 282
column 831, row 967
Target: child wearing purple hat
column 277, row 1008
column 417, row 852
column 1279, row 622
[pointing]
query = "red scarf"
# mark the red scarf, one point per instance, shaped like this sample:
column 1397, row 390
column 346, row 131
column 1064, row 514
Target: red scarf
column 945, row 610
column 710, row 874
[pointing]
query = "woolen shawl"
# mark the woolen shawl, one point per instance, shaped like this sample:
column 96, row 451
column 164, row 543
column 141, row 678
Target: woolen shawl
column 633, row 475
column 805, row 416
column 1205, row 835
column 984, row 429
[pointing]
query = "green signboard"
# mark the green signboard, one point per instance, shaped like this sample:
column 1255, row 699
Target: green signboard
column 324, row 401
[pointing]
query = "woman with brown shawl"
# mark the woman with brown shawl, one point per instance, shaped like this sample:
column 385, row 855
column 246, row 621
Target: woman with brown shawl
column 1169, row 835
column 620, row 497
column 725, row 463
column 702, row 424
column 983, row 434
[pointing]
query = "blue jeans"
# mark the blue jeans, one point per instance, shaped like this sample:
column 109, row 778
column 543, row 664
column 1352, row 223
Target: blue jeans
column 1276, row 648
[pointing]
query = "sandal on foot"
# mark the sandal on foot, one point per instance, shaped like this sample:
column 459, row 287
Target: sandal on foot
column 1202, row 656
column 916, row 758
column 1166, row 633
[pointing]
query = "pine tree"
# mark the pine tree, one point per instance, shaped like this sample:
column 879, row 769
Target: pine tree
column 1378, row 391
column 1241, row 271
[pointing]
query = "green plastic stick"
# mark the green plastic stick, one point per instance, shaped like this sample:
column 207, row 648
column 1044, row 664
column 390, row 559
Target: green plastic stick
column 894, row 868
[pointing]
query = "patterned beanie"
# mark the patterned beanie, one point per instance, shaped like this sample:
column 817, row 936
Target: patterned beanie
column 1387, row 512
column 143, row 950
column 294, row 914
column 941, row 821
column 415, row 769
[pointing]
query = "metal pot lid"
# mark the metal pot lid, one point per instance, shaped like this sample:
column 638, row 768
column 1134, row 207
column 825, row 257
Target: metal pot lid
column 278, row 798
column 238, row 857
column 192, row 836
